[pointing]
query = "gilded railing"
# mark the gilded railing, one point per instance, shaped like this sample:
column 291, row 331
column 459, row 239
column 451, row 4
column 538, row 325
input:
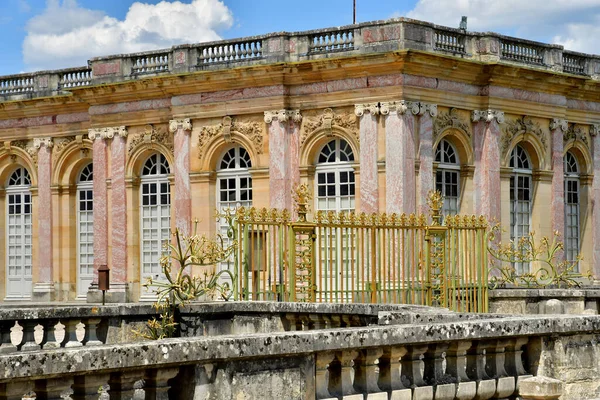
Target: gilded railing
column 362, row 258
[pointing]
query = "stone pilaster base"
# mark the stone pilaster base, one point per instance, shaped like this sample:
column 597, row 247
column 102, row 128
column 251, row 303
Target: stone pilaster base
column 43, row 291
column 116, row 294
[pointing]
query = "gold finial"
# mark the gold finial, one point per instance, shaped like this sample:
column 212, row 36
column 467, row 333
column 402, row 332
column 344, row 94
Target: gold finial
column 302, row 196
column 435, row 201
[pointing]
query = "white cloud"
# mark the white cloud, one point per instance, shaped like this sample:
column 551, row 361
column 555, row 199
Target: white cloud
column 67, row 35
column 574, row 24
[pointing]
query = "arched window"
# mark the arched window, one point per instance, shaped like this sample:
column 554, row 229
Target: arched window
column 155, row 215
column 520, row 198
column 85, row 230
column 18, row 234
column 335, row 177
column 572, row 195
column 447, row 176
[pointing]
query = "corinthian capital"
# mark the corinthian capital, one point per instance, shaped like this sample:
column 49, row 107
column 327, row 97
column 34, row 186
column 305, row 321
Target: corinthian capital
column 39, row 142
column 594, row 130
column 556, row 123
column 95, row 133
column 487, row 116
column 283, row 116
column 360, row 109
column 185, row 124
column 107, row 133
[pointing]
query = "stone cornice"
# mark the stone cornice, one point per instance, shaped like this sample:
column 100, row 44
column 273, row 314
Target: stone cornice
column 107, row 133
column 175, row 124
column 283, row 116
column 39, row 142
column 558, row 123
column 487, row 116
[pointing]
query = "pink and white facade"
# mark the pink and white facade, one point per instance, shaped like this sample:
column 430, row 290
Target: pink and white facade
column 104, row 177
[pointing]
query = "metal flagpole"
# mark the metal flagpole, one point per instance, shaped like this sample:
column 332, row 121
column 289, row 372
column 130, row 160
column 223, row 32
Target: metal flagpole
column 354, row 13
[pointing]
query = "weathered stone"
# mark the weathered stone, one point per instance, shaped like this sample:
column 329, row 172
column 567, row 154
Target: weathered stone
column 540, row 388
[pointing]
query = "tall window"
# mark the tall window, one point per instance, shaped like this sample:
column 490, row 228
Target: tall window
column 18, row 233
column 520, row 198
column 155, row 215
column 85, row 230
column 572, row 193
column 447, row 176
column 335, row 177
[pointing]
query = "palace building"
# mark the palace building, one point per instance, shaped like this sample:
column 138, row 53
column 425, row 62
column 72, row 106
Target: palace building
column 98, row 164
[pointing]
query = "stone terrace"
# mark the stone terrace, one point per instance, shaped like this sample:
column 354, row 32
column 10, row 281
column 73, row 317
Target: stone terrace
column 366, row 38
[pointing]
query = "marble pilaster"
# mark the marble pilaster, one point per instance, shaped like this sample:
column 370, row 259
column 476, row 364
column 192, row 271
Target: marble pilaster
column 427, row 112
column 43, row 289
column 369, row 187
column 594, row 131
column 118, row 234
column 284, row 175
column 557, row 129
column 487, row 163
column 400, row 155
column 182, row 129
column 98, row 137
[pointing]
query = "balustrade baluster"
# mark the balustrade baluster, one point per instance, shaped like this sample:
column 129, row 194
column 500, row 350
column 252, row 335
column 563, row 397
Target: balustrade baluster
column 412, row 370
column 49, row 336
column 85, row 387
column 6, row 345
column 317, row 321
column 122, row 384
column 494, row 364
column 336, row 321
column 366, row 374
column 486, row 387
column 90, row 337
column 341, row 374
column 456, row 368
column 322, row 376
column 70, row 339
column 390, row 378
column 514, row 359
column 434, row 372
column 306, row 324
column 52, row 389
column 28, row 340
column 156, row 383
column 15, row 390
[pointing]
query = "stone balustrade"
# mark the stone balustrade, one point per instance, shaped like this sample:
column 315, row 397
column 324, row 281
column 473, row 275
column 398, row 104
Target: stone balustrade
column 461, row 358
column 365, row 38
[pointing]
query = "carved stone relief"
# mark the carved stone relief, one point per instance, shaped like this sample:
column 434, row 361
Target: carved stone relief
column 253, row 130
column 575, row 132
column 152, row 135
column 327, row 120
column 520, row 126
column 450, row 119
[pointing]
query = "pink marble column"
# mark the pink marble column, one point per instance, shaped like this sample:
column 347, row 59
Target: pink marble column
column 487, row 163
column 118, row 234
column 369, row 187
column 400, row 156
column 427, row 113
column 43, row 289
column 284, row 174
column 557, row 128
column 98, row 136
column 182, row 129
column 594, row 131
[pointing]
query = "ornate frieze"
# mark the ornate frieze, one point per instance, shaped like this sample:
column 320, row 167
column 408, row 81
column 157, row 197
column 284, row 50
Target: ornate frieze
column 283, row 116
column 346, row 121
column 251, row 129
column 557, row 123
column 372, row 108
column 450, row 119
column 487, row 116
column 520, row 126
column 151, row 135
column 28, row 147
column 575, row 132
column 185, row 124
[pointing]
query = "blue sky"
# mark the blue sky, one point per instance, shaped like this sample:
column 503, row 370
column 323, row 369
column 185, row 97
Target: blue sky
column 50, row 34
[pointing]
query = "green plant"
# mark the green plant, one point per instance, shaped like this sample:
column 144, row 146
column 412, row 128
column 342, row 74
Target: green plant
column 178, row 286
column 553, row 269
